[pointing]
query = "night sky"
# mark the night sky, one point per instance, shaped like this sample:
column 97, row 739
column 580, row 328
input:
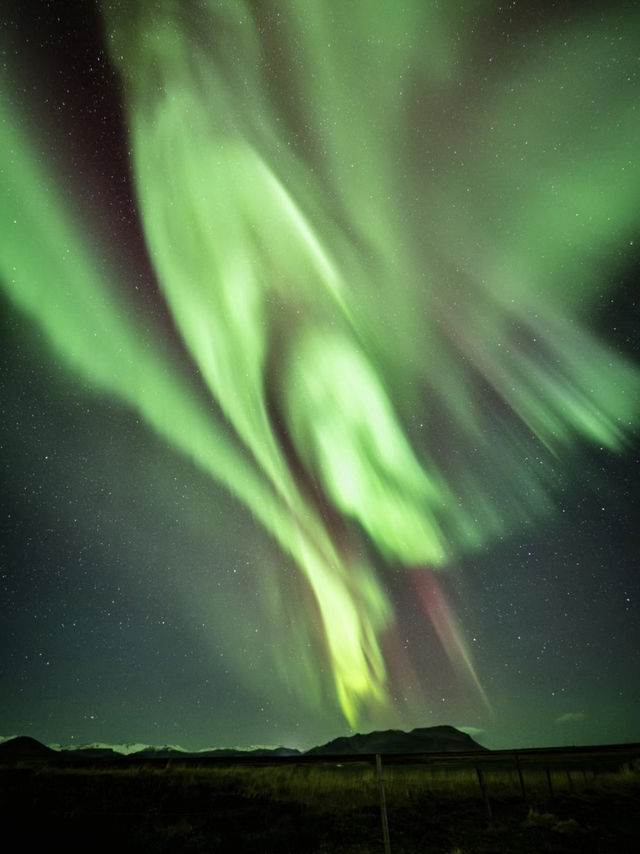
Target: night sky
column 320, row 386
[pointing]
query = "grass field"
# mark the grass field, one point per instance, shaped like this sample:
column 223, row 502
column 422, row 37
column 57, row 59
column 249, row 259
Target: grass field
column 582, row 802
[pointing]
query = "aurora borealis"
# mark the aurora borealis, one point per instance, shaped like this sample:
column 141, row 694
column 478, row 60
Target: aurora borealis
column 321, row 386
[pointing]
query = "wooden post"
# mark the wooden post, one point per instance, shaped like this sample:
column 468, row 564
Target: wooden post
column 569, row 780
column 549, row 783
column 485, row 796
column 383, row 806
column 520, row 777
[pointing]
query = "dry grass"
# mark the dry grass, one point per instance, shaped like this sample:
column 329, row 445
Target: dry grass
column 322, row 808
column 353, row 784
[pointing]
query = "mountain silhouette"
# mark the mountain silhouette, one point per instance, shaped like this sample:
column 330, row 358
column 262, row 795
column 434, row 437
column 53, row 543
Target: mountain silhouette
column 24, row 747
column 435, row 739
column 214, row 752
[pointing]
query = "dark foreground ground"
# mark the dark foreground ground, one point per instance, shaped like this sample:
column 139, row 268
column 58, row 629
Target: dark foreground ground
column 574, row 802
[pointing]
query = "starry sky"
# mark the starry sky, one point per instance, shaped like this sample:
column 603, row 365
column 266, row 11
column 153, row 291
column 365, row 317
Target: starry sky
column 320, row 385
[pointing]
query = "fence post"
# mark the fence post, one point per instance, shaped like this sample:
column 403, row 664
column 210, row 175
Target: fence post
column 569, row 780
column 483, row 789
column 549, row 783
column 520, row 777
column 383, row 806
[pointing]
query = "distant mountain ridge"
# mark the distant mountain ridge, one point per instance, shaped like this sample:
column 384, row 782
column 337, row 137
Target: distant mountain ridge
column 219, row 752
column 436, row 739
column 170, row 751
column 24, row 747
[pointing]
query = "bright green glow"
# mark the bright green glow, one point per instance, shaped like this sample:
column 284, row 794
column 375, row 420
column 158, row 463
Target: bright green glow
column 343, row 425
column 39, row 235
column 351, row 259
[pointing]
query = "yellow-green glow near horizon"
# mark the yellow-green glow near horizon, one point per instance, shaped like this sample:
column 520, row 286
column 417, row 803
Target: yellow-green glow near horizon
column 337, row 260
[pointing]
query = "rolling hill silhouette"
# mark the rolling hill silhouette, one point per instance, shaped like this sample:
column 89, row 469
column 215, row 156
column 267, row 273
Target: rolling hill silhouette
column 24, row 747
